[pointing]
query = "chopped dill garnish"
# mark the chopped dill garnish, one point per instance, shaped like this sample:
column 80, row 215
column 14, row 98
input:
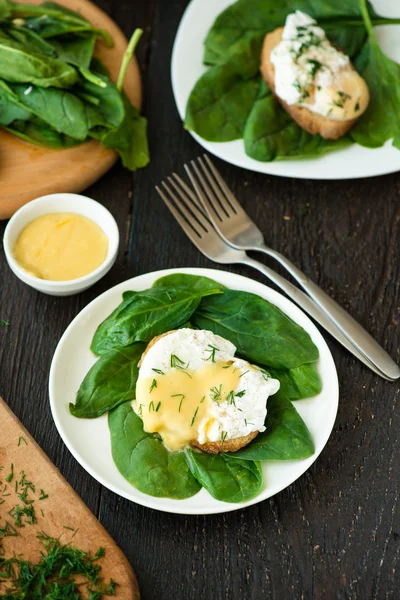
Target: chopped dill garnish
column 176, row 362
column 241, row 393
column 194, row 416
column 22, row 439
column 182, row 397
column 18, row 512
column 231, row 398
column 54, row 575
column 223, row 436
column 265, row 374
column 310, row 40
column 140, row 410
column 215, row 393
column 70, row 528
column 315, row 66
column 11, row 474
column 43, row 495
column 226, row 366
column 100, row 553
column 151, row 406
column 202, row 400
column 213, row 350
column 244, row 373
column 343, row 97
column 357, row 107
column 158, row 371
column 153, row 385
column 158, row 406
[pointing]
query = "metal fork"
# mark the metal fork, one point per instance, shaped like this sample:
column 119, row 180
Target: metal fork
column 184, row 206
column 237, row 229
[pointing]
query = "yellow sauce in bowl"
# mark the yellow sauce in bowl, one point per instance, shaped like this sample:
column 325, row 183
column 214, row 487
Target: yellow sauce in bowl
column 61, row 247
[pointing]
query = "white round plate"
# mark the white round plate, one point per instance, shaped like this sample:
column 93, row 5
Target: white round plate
column 352, row 162
column 89, row 440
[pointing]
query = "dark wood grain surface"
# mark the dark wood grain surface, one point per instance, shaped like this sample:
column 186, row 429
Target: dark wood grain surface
column 334, row 533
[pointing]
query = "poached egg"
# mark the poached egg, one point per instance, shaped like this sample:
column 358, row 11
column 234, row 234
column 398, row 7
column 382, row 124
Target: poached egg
column 311, row 72
column 191, row 387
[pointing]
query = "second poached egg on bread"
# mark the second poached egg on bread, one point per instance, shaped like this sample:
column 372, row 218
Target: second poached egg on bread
column 314, row 81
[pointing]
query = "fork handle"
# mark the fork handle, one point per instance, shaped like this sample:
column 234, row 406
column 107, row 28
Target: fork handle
column 311, row 308
column 349, row 327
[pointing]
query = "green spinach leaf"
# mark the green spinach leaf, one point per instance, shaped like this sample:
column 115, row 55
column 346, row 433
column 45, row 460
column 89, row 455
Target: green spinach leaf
column 195, row 282
column 286, row 437
column 144, row 315
column 249, row 19
column 107, row 110
column 129, row 139
column 11, row 108
column 270, row 133
column 226, row 479
column 144, row 461
column 110, row 382
column 61, row 109
column 381, row 121
column 298, row 383
column 220, row 103
column 37, row 132
column 28, row 38
column 18, row 64
column 50, row 19
column 76, row 50
column 261, row 332
column 5, row 10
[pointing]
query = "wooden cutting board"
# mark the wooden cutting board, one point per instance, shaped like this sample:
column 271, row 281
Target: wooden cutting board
column 63, row 508
column 27, row 172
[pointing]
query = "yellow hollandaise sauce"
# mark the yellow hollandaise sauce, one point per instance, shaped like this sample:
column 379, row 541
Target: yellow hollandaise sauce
column 174, row 404
column 61, row 247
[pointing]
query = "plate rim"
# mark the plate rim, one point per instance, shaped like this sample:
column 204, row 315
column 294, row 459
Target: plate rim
column 217, row 148
column 220, row 507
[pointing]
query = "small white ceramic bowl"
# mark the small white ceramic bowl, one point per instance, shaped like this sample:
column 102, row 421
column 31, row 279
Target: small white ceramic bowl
column 74, row 203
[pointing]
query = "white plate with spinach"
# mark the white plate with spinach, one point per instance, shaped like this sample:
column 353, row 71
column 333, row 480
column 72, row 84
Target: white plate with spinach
column 235, row 118
column 300, row 417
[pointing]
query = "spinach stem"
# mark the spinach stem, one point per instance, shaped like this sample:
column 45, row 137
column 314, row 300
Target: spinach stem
column 367, row 20
column 137, row 34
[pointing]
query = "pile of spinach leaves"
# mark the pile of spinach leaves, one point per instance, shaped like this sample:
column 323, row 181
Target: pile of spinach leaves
column 55, row 93
column 262, row 334
column 231, row 100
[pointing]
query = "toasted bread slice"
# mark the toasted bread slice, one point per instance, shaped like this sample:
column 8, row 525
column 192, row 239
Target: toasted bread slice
column 226, row 445
column 210, row 447
column 312, row 122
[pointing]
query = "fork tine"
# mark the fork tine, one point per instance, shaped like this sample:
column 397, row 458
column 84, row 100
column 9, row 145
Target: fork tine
column 194, row 200
column 190, row 232
column 188, row 191
column 190, row 215
column 203, row 190
column 233, row 201
column 217, row 190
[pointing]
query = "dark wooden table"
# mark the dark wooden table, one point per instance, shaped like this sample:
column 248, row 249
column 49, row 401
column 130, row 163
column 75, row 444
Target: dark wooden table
column 334, row 533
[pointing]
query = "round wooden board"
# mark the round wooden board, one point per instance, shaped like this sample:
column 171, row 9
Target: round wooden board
column 27, row 172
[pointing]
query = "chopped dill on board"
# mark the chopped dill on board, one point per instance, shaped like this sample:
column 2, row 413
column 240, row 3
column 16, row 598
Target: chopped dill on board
column 53, row 577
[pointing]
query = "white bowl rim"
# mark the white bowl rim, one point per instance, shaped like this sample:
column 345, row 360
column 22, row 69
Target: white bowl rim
column 50, row 284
